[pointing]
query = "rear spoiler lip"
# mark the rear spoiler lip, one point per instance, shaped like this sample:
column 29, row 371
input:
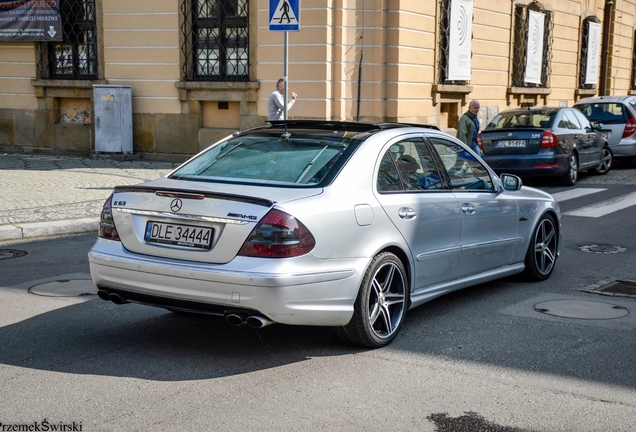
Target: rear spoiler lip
column 215, row 195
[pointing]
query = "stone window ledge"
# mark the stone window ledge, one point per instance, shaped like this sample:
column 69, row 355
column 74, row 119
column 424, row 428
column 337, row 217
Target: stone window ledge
column 218, row 91
column 528, row 94
column 65, row 88
column 451, row 93
column 582, row 93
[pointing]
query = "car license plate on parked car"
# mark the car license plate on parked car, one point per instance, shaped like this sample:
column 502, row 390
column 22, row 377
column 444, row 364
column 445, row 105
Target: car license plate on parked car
column 177, row 234
column 510, row 143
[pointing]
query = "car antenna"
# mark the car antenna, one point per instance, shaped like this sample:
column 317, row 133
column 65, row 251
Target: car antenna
column 286, row 135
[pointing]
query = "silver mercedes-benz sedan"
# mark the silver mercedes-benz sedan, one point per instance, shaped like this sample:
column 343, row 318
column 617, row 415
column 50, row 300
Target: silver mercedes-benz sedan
column 322, row 223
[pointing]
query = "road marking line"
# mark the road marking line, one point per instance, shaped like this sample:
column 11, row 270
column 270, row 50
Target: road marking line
column 605, row 207
column 575, row 193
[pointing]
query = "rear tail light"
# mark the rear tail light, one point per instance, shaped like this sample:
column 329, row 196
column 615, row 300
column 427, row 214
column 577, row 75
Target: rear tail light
column 107, row 228
column 549, row 140
column 278, row 235
column 630, row 127
column 481, row 147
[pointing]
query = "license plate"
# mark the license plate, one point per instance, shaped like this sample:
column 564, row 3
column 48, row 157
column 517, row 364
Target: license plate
column 179, row 235
column 606, row 134
column 510, row 143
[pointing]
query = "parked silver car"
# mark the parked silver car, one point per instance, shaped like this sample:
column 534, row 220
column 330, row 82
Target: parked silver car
column 617, row 115
column 322, row 223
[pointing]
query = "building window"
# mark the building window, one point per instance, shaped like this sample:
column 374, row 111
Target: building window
column 216, row 40
column 75, row 57
column 590, row 51
column 530, row 21
column 444, row 43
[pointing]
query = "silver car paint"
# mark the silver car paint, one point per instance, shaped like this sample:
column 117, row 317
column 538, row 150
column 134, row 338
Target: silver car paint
column 320, row 288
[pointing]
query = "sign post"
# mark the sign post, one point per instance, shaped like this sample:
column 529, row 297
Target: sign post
column 284, row 15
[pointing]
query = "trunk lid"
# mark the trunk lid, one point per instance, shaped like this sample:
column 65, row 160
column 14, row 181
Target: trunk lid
column 194, row 221
column 511, row 141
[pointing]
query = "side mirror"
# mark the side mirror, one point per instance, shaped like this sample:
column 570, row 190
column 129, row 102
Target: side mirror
column 510, row 182
column 597, row 126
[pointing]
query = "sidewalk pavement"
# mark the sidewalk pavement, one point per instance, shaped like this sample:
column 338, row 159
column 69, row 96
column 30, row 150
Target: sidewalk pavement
column 44, row 195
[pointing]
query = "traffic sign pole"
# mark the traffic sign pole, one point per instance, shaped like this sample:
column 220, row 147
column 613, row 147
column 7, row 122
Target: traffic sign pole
column 286, row 62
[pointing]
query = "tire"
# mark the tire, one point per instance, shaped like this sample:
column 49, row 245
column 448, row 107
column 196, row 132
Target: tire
column 380, row 308
column 607, row 161
column 572, row 174
column 542, row 250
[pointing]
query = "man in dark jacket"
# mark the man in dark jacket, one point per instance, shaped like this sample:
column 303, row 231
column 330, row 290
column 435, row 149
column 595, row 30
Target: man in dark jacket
column 468, row 126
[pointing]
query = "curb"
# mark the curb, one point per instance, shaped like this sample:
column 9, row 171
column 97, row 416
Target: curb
column 48, row 229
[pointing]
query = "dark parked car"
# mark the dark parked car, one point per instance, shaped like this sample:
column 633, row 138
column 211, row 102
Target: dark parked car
column 544, row 141
column 617, row 118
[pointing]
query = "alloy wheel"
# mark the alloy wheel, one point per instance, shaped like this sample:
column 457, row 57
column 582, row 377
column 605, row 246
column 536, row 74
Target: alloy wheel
column 545, row 244
column 387, row 300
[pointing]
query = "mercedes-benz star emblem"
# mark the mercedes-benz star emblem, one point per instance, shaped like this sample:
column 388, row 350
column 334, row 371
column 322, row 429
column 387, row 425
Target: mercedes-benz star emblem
column 175, row 205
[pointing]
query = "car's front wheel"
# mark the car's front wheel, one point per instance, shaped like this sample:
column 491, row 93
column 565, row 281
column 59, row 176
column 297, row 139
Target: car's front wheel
column 542, row 251
column 381, row 304
column 572, row 174
column 607, row 161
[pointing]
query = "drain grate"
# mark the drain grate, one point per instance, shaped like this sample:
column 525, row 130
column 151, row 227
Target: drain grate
column 616, row 288
column 11, row 253
column 602, row 249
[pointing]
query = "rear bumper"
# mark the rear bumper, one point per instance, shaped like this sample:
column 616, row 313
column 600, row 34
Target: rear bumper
column 529, row 165
column 300, row 291
column 624, row 149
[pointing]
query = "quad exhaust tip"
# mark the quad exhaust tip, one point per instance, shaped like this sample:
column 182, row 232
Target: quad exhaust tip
column 254, row 321
column 115, row 298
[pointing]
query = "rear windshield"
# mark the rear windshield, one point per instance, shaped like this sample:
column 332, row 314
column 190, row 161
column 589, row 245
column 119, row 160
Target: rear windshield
column 292, row 158
column 522, row 119
column 604, row 112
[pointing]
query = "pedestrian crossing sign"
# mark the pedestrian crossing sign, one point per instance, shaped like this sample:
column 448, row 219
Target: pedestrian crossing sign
column 284, row 15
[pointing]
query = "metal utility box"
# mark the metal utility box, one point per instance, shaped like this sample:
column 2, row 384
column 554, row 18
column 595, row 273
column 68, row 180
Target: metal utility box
column 113, row 118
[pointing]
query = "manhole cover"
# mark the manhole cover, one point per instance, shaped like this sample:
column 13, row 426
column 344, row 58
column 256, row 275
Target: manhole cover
column 11, row 253
column 581, row 309
column 617, row 288
column 602, row 249
column 65, row 288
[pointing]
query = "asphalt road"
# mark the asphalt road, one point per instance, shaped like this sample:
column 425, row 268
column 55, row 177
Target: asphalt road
column 479, row 359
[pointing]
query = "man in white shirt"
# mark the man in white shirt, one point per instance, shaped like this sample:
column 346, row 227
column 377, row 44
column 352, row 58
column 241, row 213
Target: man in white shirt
column 276, row 104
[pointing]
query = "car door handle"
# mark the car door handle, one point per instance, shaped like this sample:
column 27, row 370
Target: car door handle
column 407, row 213
column 468, row 208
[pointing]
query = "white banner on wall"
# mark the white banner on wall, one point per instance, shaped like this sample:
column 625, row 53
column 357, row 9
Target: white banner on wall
column 593, row 53
column 534, row 57
column 460, row 40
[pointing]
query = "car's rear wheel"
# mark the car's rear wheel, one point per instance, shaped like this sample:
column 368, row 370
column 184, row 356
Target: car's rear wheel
column 607, row 161
column 572, row 174
column 542, row 251
column 381, row 304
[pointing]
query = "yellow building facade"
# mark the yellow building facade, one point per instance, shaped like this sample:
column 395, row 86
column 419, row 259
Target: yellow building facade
column 202, row 69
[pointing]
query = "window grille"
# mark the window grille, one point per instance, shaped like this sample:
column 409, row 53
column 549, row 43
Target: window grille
column 216, row 40
column 584, row 50
column 75, row 57
column 444, row 44
column 520, row 44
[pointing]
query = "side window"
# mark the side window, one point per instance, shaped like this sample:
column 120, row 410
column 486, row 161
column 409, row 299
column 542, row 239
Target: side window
column 570, row 120
column 464, row 171
column 388, row 177
column 408, row 165
column 585, row 123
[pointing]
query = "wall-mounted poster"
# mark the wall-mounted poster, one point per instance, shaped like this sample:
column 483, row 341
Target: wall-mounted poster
column 30, row 20
column 593, row 53
column 460, row 46
column 534, row 57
